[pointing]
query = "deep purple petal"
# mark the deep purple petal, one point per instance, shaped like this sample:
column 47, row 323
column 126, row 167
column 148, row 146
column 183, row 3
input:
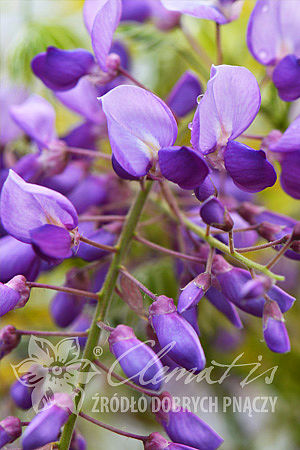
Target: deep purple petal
column 84, row 135
column 92, row 191
column 172, row 329
column 17, row 258
column 205, row 190
column 188, row 429
column 276, row 336
column 36, row 205
column 224, row 306
column 37, row 118
column 183, row 97
column 135, row 10
column 52, row 242
column 65, row 308
column 191, row 315
column 213, row 213
column 290, row 174
column 122, row 173
column 90, row 253
column 105, row 23
column 228, row 107
column 286, row 78
column 59, row 69
column 66, row 181
column 44, row 428
column 138, row 361
column 83, row 100
column 290, row 140
column 137, row 128
column 249, row 169
column 183, row 166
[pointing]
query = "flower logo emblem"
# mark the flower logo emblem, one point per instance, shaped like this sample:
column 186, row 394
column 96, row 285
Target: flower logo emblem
column 50, row 369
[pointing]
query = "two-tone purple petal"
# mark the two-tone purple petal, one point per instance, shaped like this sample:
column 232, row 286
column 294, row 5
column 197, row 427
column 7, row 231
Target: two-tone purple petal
column 26, row 207
column 139, row 125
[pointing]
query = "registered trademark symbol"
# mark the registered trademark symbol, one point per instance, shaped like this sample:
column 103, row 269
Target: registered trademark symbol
column 98, row 351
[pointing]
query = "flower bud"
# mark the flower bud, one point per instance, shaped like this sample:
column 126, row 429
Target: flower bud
column 174, row 332
column 232, row 283
column 275, row 333
column 78, row 442
column 10, row 430
column 155, row 441
column 194, row 291
column 14, row 294
column 21, row 393
column 18, row 283
column 214, row 214
column 45, row 426
column 9, row 340
column 138, row 361
column 296, row 232
column 206, row 190
column 270, row 231
column 191, row 315
column 256, row 288
column 186, row 428
column 65, row 307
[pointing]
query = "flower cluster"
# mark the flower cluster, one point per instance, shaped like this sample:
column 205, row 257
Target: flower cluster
column 57, row 203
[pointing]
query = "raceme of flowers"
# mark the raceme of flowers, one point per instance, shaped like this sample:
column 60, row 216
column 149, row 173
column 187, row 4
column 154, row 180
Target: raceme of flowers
column 56, row 205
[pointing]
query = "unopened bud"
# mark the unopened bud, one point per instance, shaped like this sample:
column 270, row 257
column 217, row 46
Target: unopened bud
column 18, row 283
column 10, row 430
column 9, row 339
column 194, row 291
column 213, row 213
column 275, row 333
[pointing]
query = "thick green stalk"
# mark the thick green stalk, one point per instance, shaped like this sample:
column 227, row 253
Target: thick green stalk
column 106, row 293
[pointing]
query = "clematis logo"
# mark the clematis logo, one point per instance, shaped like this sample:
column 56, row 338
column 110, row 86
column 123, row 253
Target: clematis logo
column 51, row 369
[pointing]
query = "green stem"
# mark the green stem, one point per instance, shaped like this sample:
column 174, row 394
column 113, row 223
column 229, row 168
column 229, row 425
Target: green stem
column 213, row 242
column 106, row 293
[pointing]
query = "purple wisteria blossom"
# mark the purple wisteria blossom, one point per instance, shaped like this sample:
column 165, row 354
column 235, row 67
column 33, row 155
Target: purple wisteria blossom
column 183, row 97
column 148, row 137
column 220, row 11
column 138, row 360
column 46, row 425
column 47, row 217
column 175, row 333
column 273, row 39
column 186, row 428
column 228, row 107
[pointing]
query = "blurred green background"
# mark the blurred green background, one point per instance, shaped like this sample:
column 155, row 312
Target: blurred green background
column 159, row 58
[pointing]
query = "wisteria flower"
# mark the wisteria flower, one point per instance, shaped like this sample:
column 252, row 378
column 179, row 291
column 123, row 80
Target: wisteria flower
column 228, row 107
column 220, row 11
column 47, row 217
column 143, row 131
column 60, row 70
column 273, row 39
